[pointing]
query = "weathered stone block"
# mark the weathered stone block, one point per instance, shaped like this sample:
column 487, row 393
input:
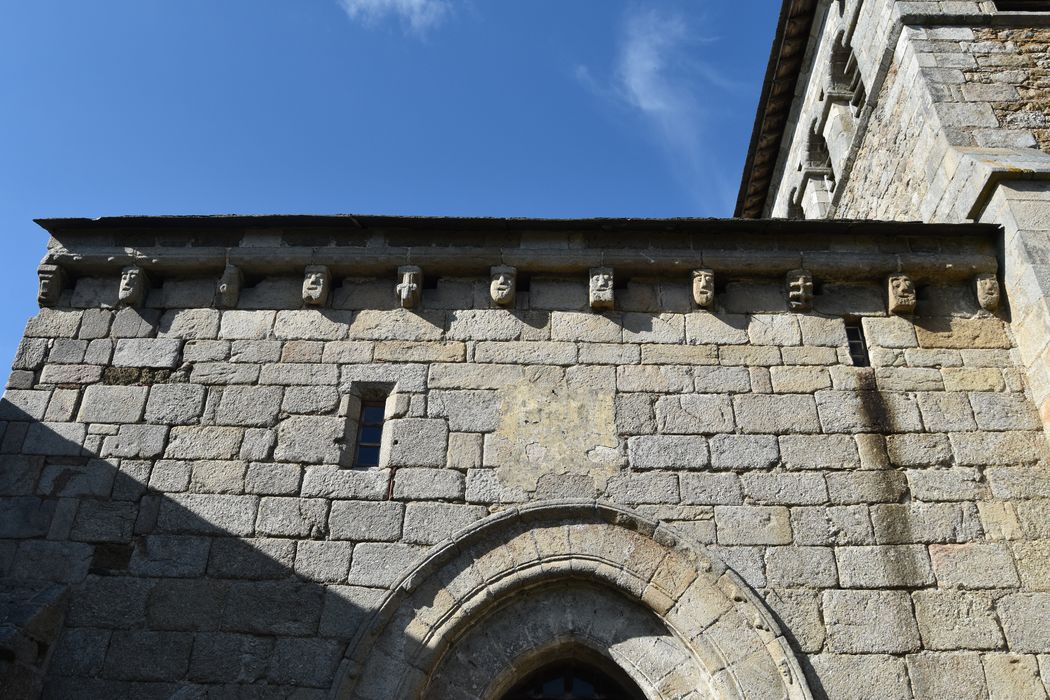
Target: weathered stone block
column 799, row 380
column 647, row 487
column 962, row 333
column 774, row 329
column 175, row 404
column 852, row 677
column 136, row 441
column 942, row 675
column 884, row 566
column 249, row 406
column 148, row 656
column 667, row 452
column 653, row 378
column 312, row 324
column 147, row 352
column 785, row 489
column 918, row 449
column 206, row 513
column 956, row 620
column 333, row 482
column 428, row 523
column 819, row 452
column 366, row 521
column 428, row 484
column 867, row 411
column 46, row 438
column 901, row 523
column 801, row 567
column 890, row 332
column 694, row 413
column 203, row 443
column 483, row 324
column 653, row 328
column 255, row 558
column 743, row 451
column 870, row 622
column 414, row 442
column 711, row 489
column 309, row 663
column 189, row 324
column 759, row 525
column 224, row 658
column 112, row 404
column 246, row 325
column 273, row 608
column 703, row 328
column 721, row 380
column 466, row 411
column 838, row 525
column 381, row 563
column 293, row 517
column 757, row 413
column 313, row 440
column 1033, row 563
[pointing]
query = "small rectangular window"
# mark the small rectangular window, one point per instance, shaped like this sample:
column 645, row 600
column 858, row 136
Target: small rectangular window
column 1022, row 5
column 858, row 348
column 369, row 434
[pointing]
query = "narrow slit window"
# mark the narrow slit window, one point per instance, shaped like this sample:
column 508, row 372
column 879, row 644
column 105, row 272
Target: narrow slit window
column 369, row 434
column 858, row 348
column 1022, row 5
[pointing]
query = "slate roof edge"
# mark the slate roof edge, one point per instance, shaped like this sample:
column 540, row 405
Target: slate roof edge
column 774, row 105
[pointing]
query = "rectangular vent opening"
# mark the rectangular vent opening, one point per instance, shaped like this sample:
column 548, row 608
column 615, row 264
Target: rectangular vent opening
column 858, row 347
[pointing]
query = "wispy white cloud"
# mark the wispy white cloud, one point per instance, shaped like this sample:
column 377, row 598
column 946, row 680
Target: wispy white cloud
column 416, row 16
column 659, row 75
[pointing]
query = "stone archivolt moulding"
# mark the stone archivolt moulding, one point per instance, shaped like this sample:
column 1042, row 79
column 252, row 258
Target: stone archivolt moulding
column 560, row 577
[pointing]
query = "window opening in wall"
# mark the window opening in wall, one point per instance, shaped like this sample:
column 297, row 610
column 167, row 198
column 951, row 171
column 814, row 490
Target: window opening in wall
column 858, row 348
column 1022, row 5
column 573, row 681
column 369, row 433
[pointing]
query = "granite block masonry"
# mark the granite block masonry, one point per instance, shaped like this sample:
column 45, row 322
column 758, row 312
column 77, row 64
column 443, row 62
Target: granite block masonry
column 718, row 474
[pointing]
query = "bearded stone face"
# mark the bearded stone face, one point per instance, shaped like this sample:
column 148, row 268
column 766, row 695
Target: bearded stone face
column 133, row 285
column 502, row 285
column 704, row 288
column 601, row 288
column 902, row 296
column 316, row 285
column 50, row 280
column 988, row 291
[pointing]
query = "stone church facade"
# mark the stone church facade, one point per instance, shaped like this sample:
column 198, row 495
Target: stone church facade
column 796, row 454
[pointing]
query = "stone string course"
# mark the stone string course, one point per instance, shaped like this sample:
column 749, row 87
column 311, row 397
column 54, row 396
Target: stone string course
column 185, row 471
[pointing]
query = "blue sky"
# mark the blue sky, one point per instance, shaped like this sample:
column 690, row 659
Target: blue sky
column 553, row 108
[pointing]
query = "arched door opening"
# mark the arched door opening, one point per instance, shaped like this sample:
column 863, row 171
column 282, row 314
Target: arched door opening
column 572, row 679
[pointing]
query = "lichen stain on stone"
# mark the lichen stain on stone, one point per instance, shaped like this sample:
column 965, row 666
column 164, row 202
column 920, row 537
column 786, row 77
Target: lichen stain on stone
column 551, row 428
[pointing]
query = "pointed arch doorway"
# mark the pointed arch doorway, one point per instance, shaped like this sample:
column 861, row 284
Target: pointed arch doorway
column 580, row 676
column 506, row 597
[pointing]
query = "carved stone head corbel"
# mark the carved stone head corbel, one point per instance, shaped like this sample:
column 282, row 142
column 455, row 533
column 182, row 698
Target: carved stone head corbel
column 134, row 285
column 704, row 288
column 409, row 286
column 901, row 296
column 600, row 290
column 800, row 290
column 51, row 279
column 317, row 283
column 987, row 285
column 228, row 290
column 503, row 282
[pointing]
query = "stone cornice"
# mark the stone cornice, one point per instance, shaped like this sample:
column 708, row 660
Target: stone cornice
column 376, row 245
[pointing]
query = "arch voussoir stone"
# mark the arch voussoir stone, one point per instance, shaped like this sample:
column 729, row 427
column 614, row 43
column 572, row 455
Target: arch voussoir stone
column 551, row 578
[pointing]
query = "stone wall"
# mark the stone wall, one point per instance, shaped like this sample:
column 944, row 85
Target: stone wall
column 186, row 470
column 949, row 90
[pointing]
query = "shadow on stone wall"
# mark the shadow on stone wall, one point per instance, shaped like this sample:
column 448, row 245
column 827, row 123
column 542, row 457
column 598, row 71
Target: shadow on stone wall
column 159, row 601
